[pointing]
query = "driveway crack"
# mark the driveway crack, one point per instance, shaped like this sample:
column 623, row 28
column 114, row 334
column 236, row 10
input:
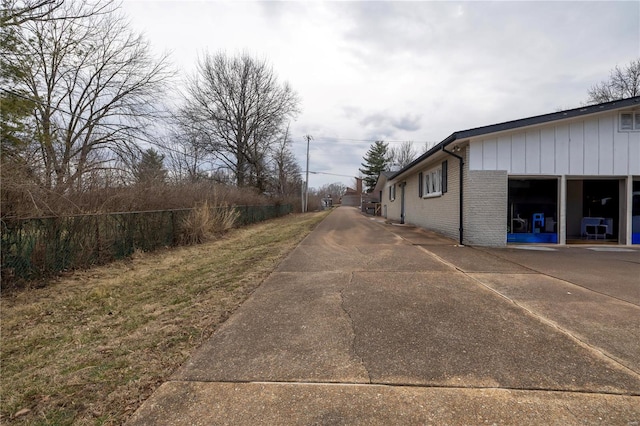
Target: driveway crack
column 353, row 349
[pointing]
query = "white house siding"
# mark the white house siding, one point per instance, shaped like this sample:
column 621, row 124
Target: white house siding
column 440, row 214
column 485, row 207
column 391, row 207
column 589, row 147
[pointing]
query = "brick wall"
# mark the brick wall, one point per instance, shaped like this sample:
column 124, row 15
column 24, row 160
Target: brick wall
column 441, row 213
column 485, row 207
column 485, row 204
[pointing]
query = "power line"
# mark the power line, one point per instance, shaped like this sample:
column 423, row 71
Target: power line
column 333, row 139
column 327, row 173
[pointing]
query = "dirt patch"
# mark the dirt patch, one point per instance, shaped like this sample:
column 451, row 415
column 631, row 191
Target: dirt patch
column 91, row 347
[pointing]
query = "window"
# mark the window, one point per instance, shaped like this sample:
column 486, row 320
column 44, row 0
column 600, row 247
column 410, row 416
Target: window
column 630, row 121
column 432, row 182
column 392, row 192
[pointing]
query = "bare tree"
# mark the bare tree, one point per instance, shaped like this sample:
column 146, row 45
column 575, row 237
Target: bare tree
column 286, row 175
column 402, row 155
column 93, row 83
column 623, row 83
column 428, row 145
column 240, row 106
column 15, row 13
column 333, row 190
column 186, row 152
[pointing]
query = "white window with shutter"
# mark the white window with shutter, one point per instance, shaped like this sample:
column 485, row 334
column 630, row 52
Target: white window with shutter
column 432, row 183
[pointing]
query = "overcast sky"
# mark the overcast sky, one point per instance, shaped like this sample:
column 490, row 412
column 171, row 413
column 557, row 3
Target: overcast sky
column 397, row 71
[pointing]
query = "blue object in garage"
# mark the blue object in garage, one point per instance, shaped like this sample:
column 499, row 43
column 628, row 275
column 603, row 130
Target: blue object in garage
column 537, row 223
column 537, row 237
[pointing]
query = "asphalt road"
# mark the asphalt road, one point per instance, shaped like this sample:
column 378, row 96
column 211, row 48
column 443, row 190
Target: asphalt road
column 373, row 323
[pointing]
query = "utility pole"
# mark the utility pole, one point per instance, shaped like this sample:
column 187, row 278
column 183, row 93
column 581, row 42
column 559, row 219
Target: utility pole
column 306, row 185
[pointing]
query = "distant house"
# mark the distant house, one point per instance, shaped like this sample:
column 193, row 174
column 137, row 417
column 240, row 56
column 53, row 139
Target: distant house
column 353, row 197
column 564, row 177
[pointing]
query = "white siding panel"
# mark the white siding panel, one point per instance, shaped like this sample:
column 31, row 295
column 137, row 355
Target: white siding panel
column 591, row 150
column 518, row 153
column 504, row 153
column 489, row 154
column 579, row 147
column 620, row 153
column 634, row 153
column 475, row 155
column 562, row 149
column 548, row 151
column 533, row 151
column 605, row 145
column 576, row 148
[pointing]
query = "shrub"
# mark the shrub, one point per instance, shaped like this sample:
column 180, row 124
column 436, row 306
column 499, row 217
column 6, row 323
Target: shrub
column 206, row 221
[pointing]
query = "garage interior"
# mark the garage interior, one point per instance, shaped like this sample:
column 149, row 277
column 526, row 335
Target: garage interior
column 593, row 210
column 533, row 211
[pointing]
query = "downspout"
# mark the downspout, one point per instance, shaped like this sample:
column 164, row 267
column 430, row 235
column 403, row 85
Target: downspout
column 461, row 228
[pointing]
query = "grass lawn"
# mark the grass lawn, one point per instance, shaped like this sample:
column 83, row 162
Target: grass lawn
column 92, row 346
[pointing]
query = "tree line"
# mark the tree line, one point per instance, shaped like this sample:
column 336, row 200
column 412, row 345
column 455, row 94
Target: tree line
column 84, row 107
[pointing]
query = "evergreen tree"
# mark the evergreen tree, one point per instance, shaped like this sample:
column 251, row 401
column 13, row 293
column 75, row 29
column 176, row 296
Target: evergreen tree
column 375, row 161
column 150, row 169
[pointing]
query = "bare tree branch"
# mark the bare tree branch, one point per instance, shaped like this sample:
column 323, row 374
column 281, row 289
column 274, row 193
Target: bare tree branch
column 18, row 12
column 622, row 83
column 400, row 156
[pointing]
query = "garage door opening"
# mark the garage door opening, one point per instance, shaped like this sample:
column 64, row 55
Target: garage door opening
column 635, row 214
column 533, row 211
column 593, row 211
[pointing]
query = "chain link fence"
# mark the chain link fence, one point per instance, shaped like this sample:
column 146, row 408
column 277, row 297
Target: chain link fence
column 36, row 248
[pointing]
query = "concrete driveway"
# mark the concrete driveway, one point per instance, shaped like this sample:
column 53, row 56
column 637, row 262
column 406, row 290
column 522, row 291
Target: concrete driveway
column 372, row 323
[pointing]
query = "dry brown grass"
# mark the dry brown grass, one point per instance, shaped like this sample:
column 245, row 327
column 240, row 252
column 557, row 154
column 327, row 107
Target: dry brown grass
column 91, row 347
column 206, row 221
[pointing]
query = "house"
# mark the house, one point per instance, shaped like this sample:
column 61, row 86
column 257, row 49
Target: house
column 379, row 190
column 353, row 197
column 565, row 177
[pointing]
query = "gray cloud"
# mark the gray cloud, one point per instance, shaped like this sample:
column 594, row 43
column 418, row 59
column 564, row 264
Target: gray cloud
column 388, row 124
column 408, row 122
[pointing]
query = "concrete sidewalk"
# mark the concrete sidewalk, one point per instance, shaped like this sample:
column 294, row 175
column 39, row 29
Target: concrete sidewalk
column 370, row 323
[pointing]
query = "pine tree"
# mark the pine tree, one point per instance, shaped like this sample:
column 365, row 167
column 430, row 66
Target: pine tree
column 150, row 169
column 375, row 161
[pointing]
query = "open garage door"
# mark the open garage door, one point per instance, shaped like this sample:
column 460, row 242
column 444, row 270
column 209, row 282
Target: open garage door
column 533, row 211
column 593, row 210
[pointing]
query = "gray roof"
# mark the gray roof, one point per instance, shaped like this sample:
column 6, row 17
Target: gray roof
column 523, row 122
